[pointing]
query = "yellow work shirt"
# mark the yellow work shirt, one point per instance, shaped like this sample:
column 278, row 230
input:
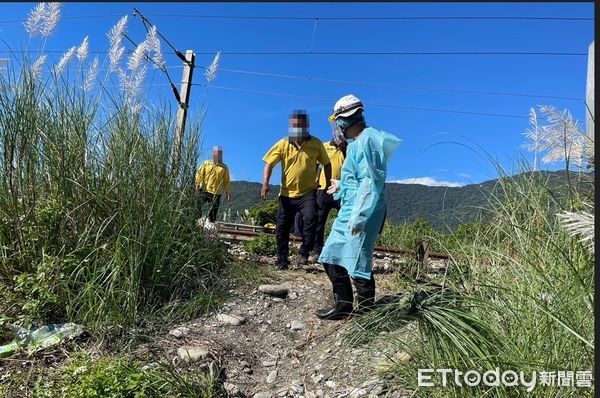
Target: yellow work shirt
column 213, row 177
column 336, row 157
column 298, row 166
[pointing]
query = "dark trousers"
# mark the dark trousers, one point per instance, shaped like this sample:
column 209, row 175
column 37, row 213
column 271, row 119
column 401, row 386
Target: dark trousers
column 325, row 203
column 213, row 202
column 342, row 288
column 288, row 207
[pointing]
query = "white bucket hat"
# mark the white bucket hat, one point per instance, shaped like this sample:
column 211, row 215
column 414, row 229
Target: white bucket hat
column 346, row 106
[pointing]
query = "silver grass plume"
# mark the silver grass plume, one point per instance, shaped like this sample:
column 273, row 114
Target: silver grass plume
column 115, row 36
column 154, row 47
column 51, row 18
column 562, row 138
column 132, row 84
column 533, row 133
column 211, row 71
column 36, row 68
column 90, row 77
column 137, row 57
column 579, row 223
column 83, row 49
column 66, row 58
column 34, row 22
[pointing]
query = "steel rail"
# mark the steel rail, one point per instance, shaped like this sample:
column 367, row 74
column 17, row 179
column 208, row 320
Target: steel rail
column 243, row 232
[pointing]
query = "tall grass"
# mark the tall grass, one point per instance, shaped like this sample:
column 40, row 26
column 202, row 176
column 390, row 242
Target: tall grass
column 97, row 226
column 524, row 303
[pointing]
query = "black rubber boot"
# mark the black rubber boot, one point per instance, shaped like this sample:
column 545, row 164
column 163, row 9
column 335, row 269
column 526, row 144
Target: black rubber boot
column 365, row 295
column 342, row 307
column 365, row 303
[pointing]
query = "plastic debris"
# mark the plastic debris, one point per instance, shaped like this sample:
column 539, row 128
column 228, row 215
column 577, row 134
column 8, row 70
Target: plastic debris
column 32, row 341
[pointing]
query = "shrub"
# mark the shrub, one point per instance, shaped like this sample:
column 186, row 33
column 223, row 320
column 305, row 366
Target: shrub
column 265, row 212
column 262, row 245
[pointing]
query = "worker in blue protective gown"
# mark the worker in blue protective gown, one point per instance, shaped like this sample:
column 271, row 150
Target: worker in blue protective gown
column 348, row 251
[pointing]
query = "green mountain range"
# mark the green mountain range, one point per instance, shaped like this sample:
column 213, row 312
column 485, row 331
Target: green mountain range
column 443, row 207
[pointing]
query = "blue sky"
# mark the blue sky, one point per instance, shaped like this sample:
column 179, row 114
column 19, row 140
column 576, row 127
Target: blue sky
column 438, row 147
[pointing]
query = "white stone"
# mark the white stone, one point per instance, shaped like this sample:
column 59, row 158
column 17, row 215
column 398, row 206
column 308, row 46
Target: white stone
column 231, row 388
column 150, row 366
column 358, row 392
column 234, row 320
column 297, row 325
column 180, row 331
column 330, row 383
column 192, row 354
column 269, row 363
column 272, row 377
column 274, row 290
column 317, row 378
column 297, row 388
column 262, row 395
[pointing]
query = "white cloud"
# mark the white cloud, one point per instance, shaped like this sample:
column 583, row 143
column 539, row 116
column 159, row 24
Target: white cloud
column 430, row 181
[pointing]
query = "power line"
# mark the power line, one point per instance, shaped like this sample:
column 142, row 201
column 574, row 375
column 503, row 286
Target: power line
column 334, row 18
column 432, row 53
column 377, row 84
column 397, row 85
column 366, row 103
column 377, row 18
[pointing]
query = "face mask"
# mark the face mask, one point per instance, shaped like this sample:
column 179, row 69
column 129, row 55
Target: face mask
column 342, row 124
column 298, row 132
column 338, row 133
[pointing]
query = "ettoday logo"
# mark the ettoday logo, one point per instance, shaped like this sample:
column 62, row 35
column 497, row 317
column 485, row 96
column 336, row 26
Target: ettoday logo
column 507, row 378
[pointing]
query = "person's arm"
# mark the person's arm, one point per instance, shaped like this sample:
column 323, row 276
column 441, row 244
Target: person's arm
column 264, row 191
column 271, row 159
column 318, row 175
column 227, row 184
column 327, row 171
column 326, row 163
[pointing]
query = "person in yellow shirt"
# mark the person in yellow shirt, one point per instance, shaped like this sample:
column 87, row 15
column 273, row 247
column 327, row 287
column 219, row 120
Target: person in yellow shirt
column 212, row 179
column 299, row 155
column 336, row 151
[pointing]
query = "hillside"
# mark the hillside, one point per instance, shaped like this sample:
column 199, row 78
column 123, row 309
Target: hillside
column 442, row 207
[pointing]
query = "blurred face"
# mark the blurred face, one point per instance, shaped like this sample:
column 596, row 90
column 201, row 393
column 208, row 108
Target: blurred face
column 217, row 154
column 298, row 128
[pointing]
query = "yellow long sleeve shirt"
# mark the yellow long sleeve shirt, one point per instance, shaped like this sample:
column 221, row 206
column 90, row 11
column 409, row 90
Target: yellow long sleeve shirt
column 213, row 178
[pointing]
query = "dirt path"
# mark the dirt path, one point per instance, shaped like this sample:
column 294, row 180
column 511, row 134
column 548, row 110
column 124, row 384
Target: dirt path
column 274, row 346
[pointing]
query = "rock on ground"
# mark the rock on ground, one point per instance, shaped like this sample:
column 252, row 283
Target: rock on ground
column 192, row 354
column 234, row 320
column 274, row 290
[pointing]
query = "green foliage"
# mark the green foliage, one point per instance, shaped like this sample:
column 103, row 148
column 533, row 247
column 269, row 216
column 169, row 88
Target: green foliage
column 263, row 245
column 118, row 378
column 37, row 293
column 265, row 212
column 97, row 226
column 518, row 295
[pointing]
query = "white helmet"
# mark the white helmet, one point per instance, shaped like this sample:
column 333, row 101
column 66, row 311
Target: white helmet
column 346, row 106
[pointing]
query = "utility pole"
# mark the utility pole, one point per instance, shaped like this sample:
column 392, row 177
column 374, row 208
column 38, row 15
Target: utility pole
column 186, row 85
column 589, row 93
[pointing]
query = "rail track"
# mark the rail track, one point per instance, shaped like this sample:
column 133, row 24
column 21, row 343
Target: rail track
column 243, row 232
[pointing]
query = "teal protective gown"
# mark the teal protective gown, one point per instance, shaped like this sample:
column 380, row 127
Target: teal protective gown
column 362, row 203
